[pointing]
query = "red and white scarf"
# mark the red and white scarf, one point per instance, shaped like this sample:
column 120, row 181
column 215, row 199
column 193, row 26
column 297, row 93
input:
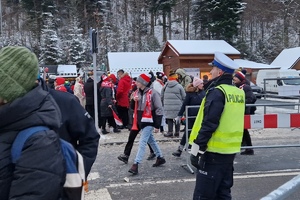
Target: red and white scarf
column 147, row 113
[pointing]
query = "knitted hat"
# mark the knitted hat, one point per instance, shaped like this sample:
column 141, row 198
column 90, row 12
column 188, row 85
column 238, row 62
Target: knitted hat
column 143, row 79
column 60, row 80
column 197, row 82
column 113, row 78
column 240, row 75
column 160, row 75
column 18, row 72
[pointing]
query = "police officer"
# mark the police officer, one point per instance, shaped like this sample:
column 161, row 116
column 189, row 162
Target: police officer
column 217, row 132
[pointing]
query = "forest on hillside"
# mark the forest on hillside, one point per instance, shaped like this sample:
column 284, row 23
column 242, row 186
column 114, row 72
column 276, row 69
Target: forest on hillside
column 58, row 30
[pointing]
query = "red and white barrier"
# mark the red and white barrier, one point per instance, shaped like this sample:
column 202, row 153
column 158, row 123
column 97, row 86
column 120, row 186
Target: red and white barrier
column 291, row 120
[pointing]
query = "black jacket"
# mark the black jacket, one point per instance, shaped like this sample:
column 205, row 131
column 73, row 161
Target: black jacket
column 77, row 127
column 39, row 172
column 213, row 109
column 106, row 94
column 250, row 97
column 192, row 98
column 89, row 92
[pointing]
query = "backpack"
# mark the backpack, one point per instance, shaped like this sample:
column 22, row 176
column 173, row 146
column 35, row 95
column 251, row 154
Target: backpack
column 75, row 175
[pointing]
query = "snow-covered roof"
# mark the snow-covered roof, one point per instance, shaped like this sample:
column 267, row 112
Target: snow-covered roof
column 287, row 58
column 202, row 47
column 254, row 65
column 135, row 63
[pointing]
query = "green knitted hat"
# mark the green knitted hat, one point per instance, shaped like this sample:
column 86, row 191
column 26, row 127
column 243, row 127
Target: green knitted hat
column 18, row 72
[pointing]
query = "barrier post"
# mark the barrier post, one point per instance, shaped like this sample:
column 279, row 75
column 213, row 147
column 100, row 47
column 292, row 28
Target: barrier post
column 188, row 164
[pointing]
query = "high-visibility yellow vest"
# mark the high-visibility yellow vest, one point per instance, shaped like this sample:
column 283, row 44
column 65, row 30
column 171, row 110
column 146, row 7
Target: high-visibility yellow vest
column 228, row 136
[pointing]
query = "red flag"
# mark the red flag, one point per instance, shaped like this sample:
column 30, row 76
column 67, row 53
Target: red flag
column 117, row 119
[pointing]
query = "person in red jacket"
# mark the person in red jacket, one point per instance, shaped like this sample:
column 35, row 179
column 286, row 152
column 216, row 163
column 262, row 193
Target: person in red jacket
column 122, row 96
column 59, row 84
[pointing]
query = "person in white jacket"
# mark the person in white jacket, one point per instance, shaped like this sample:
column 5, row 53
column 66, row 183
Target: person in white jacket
column 79, row 92
column 158, row 85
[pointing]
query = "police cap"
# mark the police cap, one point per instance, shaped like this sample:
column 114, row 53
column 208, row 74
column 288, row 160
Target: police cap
column 224, row 63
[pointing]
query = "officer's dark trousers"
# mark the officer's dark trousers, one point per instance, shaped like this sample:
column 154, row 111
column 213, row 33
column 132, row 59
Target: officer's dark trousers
column 131, row 138
column 215, row 177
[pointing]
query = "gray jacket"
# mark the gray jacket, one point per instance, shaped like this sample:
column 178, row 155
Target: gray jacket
column 172, row 96
column 156, row 108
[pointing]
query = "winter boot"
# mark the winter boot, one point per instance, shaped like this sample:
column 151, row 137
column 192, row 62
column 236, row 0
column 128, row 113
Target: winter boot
column 248, row 152
column 159, row 161
column 178, row 152
column 134, row 169
column 151, row 156
column 116, row 130
column 176, row 134
column 104, row 131
column 123, row 158
column 169, row 134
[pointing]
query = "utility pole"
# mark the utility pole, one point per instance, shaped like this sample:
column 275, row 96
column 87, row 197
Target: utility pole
column 94, row 51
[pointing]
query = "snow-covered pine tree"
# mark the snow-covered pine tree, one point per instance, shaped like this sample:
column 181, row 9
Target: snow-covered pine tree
column 51, row 52
column 76, row 48
column 219, row 19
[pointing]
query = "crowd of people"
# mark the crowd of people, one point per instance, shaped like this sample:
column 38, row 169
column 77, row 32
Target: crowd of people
column 145, row 104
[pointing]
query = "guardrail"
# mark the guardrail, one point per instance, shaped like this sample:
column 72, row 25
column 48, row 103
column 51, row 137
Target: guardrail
column 285, row 120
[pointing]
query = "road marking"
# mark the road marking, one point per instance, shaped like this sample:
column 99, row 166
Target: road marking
column 265, row 175
column 102, row 194
column 93, row 176
column 236, row 176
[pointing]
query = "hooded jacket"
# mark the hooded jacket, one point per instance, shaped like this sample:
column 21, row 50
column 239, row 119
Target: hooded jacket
column 184, row 79
column 124, row 86
column 172, row 96
column 39, row 172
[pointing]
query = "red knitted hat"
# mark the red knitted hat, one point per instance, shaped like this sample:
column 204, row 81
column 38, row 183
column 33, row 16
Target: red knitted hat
column 143, row 79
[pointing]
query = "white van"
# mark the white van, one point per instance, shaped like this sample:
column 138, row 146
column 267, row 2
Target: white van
column 67, row 71
column 282, row 87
